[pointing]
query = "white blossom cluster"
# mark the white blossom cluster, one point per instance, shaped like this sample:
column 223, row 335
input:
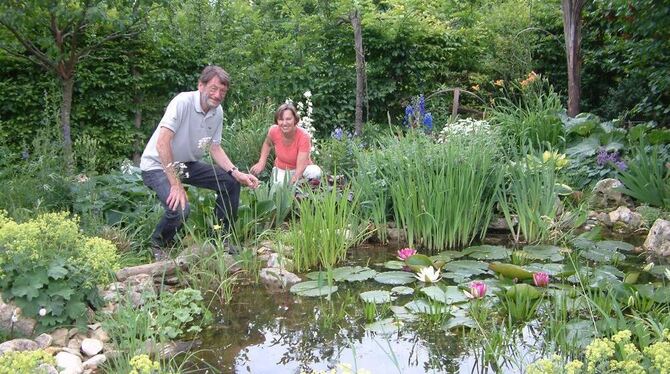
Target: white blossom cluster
column 305, row 112
column 466, row 127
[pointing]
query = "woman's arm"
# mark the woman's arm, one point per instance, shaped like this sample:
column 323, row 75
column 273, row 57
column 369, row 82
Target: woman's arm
column 300, row 165
column 265, row 152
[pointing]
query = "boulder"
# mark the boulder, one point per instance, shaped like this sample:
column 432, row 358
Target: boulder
column 44, row 340
column 69, row 363
column 18, row 345
column 278, row 278
column 606, row 194
column 658, row 239
column 22, row 326
column 91, row 347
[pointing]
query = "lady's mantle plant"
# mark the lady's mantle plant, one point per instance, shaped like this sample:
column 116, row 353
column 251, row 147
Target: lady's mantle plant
column 48, row 265
column 25, row 362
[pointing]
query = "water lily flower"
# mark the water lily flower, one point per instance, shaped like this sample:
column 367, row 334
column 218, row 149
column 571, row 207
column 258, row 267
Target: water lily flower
column 405, row 253
column 477, row 290
column 541, row 279
column 428, row 274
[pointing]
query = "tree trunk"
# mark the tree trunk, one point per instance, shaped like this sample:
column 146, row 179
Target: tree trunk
column 572, row 28
column 65, row 114
column 360, row 72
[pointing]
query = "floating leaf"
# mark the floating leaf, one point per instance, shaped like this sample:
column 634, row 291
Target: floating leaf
column 345, row 273
column 385, row 327
column 543, row 253
column 510, row 271
column 549, row 268
column 523, row 290
column 487, row 252
column 402, row 290
column 615, row 245
column 395, row 277
column 377, row 297
column 458, row 321
column 424, row 307
column 461, row 270
column 394, row 265
column 447, row 256
column 402, row 313
column 445, row 295
column 313, row 288
column 600, row 254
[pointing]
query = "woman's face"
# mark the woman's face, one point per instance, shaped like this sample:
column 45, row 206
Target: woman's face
column 287, row 122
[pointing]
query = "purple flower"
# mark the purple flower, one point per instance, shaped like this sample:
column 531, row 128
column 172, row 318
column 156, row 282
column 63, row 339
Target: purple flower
column 541, row 279
column 603, row 157
column 409, row 113
column 428, row 121
column 621, row 165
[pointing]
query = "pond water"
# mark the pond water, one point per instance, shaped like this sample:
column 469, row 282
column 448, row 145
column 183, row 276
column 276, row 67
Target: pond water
column 262, row 331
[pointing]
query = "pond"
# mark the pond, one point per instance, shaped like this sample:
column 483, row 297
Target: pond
column 264, row 331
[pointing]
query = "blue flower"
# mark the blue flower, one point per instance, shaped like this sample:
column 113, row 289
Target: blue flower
column 428, row 121
column 422, row 105
column 337, row 134
column 409, row 113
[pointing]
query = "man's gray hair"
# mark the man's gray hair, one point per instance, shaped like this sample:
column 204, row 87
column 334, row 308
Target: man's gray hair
column 212, row 71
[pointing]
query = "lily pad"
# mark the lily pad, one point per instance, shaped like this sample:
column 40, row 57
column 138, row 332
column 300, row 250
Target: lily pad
column 424, row 307
column 313, row 288
column 550, row 268
column 394, row 265
column 487, row 252
column 461, row 270
column 395, row 277
column 603, row 255
column 580, row 332
column 401, row 313
column 445, row 295
column 543, row 253
column 377, row 297
column 384, row 327
column 458, row 321
column 402, row 290
column 345, row 273
column 447, row 256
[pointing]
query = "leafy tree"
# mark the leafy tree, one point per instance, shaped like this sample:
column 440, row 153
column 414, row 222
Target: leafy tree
column 57, row 35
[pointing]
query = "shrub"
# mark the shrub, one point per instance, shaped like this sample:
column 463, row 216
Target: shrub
column 46, row 263
column 25, row 362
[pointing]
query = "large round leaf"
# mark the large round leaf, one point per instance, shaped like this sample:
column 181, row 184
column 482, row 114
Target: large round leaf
column 394, row 265
column 445, row 295
column 395, row 277
column 487, row 252
column 542, row 253
column 385, row 327
column 345, row 273
column 377, row 297
column 313, row 288
column 402, row 290
column 461, row 270
column 423, row 306
column 615, row 245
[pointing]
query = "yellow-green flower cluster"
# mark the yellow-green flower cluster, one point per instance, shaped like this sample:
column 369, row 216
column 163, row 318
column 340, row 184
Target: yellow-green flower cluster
column 545, row 365
column 598, row 350
column 574, row 367
column 24, row 362
column 659, row 354
column 54, row 235
column 142, row 364
column 559, row 159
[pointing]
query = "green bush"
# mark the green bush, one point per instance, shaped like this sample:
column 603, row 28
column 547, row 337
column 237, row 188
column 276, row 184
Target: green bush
column 25, row 362
column 48, row 268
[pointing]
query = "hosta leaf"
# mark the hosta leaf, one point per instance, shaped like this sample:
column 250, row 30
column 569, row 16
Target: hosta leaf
column 313, row 289
column 395, row 277
column 487, row 252
column 377, row 297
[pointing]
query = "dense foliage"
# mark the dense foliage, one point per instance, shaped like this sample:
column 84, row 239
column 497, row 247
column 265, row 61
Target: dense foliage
column 279, row 49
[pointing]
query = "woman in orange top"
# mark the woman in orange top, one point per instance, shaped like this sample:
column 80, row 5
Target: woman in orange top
column 292, row 146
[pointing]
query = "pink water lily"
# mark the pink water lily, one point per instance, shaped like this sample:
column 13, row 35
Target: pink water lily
column 477, row 289
column 405, row 253
column 541, row 279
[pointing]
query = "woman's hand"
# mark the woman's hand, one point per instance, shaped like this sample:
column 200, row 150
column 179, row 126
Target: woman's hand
column 257, row 168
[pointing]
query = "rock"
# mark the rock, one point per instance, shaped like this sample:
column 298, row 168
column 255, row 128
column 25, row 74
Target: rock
column 658, row 239
column 172, row 349
column 94, row 361
column 278, row 278
column 100, row 334
column 75, row 342
column 18, row 345
column 498, row 223
column 604, row 218
column 395, row 234
column 605, row 194
column 279, row 261
column 68, row 363
column 60, row 337
column 23, row 326
column 44, row 340
column 91, row 347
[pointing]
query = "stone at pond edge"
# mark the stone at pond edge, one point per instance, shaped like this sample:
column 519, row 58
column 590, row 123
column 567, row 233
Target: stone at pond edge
column 18, row 345
column 24, row 326
column 69, row 361
column 44, row 340
column 278, row 278
column 658, row 239
column 94, row 362
column 91, row 347
column 605, row 194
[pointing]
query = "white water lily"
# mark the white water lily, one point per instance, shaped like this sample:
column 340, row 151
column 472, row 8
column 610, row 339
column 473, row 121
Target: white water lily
column 428, row 274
